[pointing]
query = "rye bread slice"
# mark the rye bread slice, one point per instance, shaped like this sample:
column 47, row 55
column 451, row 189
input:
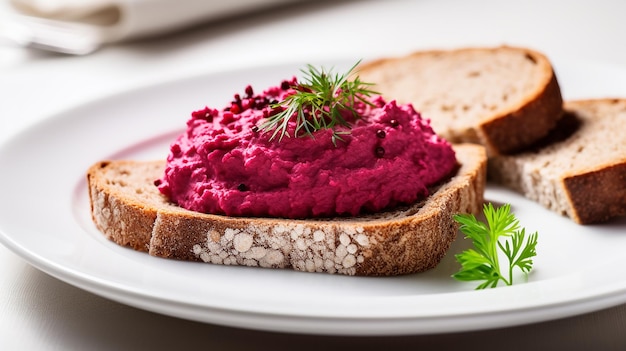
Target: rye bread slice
column 579, row 170
column 504, row 98
column 129, row 210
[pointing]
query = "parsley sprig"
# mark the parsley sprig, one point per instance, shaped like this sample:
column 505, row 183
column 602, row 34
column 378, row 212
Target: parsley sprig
column 501, row 234
column 320, row 101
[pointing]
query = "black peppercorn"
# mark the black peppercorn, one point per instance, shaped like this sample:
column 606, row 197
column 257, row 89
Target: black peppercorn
column 380, row 152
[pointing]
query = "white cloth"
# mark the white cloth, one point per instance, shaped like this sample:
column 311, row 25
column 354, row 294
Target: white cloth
column 115, row 20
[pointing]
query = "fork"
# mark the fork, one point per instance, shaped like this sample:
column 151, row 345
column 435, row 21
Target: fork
column 50, row 35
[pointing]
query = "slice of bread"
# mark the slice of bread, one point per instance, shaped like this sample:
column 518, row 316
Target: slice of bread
column 579, row 170
column 504, row 98
column 129, row 210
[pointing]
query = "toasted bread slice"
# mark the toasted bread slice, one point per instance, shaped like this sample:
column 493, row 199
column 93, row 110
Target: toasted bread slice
column 129, row 210
column 579, row 170
column 504, row 98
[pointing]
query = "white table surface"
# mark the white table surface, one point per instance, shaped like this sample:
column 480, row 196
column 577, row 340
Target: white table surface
column 38, row 312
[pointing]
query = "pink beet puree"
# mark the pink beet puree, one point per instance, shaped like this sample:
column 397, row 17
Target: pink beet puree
column 222, row 163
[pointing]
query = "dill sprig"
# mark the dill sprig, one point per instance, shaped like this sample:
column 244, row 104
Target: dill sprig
column 501, row 233
column 319, row 102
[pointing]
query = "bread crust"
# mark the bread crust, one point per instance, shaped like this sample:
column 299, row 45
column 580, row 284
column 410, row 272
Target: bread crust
column 522, row 126
column 598, row 195
column 407, row 240
column 516, row 122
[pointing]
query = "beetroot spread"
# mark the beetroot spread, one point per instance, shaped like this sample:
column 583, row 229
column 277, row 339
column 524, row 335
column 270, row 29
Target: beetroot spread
column 223, row 163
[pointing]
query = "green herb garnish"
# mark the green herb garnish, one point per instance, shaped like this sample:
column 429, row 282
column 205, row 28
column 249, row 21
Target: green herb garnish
column 483, row 262
column 319, row 102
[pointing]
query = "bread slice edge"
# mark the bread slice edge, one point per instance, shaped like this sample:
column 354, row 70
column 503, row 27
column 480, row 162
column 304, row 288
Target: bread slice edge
column 591, row 193
column 507, row 130
column 403, row 241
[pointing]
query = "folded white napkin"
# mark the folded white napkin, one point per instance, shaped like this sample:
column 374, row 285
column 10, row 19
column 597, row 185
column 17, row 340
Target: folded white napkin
column 115, row 20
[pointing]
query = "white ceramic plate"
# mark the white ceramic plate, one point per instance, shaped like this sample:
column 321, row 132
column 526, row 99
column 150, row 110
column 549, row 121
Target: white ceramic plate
column 44, row 217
